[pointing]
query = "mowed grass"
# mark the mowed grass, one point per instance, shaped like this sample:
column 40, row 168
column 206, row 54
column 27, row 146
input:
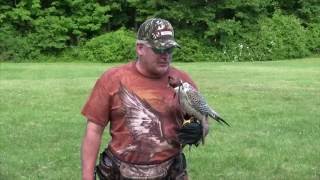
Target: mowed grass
column 273, row 109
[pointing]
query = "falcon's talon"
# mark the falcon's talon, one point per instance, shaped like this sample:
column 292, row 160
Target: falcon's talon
column 190, row 120
column 186, row 121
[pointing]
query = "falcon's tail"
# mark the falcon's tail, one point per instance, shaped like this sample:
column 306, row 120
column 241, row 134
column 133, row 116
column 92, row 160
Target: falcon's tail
column 216, row 117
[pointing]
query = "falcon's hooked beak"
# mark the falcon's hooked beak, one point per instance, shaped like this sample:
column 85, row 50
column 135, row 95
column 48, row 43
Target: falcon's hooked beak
column 174, row 82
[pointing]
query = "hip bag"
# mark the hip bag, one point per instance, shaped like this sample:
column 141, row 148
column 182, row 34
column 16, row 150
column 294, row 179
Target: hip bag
column 111, row 168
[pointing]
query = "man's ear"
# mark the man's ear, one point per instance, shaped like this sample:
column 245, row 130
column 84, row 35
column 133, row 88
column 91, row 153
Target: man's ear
column 139, row 49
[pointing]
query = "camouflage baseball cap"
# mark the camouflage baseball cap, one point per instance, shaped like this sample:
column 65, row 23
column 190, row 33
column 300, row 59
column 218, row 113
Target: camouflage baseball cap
column 158, row 33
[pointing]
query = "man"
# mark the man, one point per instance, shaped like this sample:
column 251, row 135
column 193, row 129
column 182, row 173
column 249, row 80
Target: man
column 143, row 114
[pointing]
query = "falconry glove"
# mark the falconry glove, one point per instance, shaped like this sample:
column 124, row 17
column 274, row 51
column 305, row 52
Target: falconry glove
column 190, row 133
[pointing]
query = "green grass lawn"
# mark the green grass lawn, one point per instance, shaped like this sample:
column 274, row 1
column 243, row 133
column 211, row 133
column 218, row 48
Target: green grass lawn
column 273, row 109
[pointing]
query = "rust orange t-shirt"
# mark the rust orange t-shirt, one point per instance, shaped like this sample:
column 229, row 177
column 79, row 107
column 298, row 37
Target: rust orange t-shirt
column 143, row 113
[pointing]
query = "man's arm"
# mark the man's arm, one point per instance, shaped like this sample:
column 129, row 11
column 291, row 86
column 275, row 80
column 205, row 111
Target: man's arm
column 90, row 148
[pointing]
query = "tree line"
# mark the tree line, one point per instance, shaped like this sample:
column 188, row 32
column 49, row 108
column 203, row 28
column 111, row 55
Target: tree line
column 208, row 30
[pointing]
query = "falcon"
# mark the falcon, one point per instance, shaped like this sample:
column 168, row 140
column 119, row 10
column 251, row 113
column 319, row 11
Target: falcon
column 193, row 104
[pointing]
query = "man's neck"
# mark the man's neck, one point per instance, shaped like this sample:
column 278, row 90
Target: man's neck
column 144, row 72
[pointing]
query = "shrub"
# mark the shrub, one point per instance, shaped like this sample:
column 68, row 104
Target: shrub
column 16, row 47
column 194, row 50
column 117, row 46
column 51, row 33
column 282, row 37
column 221, row 33
column 313, row 33
column 189, row 49
column 241, row 51
column 279, row 37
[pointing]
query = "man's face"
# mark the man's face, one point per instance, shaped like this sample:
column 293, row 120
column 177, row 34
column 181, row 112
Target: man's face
column 153, row 63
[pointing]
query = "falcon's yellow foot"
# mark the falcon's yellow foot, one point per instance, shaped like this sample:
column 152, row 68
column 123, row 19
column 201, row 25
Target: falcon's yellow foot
column 188, row 121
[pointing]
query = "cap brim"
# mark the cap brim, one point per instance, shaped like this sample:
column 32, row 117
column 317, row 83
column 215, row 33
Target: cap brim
column 169, row 43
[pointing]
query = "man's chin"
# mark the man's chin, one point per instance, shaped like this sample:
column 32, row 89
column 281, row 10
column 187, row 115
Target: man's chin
column 161, row 70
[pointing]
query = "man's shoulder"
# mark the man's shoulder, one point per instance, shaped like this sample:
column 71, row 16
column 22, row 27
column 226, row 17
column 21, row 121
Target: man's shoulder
column 178, row 72
column 118, row 70
column 184, row 76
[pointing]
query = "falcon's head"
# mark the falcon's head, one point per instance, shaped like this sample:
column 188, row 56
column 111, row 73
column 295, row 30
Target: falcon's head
column 178, row 85
column 174, row 82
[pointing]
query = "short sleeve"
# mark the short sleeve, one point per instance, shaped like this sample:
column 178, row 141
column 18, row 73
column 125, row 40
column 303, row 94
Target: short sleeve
column 97, row 107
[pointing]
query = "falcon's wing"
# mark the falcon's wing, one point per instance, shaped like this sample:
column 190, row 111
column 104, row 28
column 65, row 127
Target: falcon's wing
column 142, row 119
column 197, row 101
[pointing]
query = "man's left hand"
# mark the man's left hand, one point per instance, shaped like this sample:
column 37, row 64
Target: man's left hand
column 190, row 133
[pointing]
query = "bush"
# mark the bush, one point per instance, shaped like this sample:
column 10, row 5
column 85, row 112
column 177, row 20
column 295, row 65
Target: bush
column 188, row 50
column 313, row 33
column 16, row 47
column 241, row 51
column 194, row 50
column 51, row 33
column 117, row 46
column 279, row 37
column 282, row 37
